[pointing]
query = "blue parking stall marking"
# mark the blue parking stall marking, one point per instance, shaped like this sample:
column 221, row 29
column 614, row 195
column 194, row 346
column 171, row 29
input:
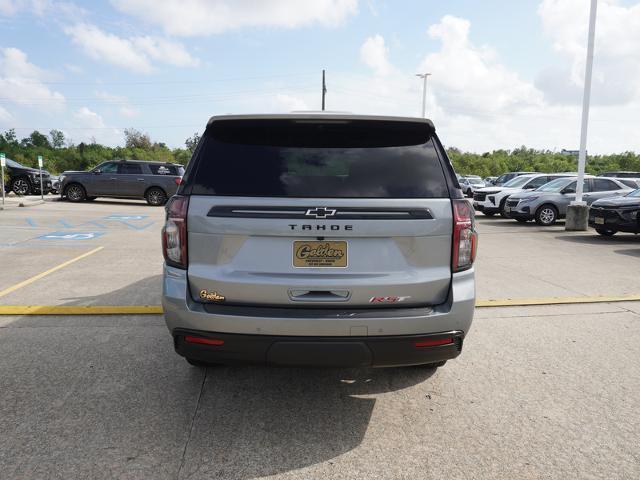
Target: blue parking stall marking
column 64, row 223
column 31, row 222
column 70, row 236
column 125, row 217
column 137, row 227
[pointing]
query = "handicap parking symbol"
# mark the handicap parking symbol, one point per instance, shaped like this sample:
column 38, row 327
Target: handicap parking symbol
column 70, row 236
column 125, row 217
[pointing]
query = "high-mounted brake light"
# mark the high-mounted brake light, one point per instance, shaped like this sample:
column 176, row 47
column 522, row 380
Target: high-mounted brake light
column 174, row 233
column 465, row 237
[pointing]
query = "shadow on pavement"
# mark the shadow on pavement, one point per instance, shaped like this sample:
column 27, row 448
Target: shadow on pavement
column 592, row 238
column 260, row 421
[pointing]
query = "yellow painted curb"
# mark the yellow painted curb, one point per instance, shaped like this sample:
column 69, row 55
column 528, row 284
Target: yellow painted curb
column 524, row 302
column 80, row 310
column 157, row 309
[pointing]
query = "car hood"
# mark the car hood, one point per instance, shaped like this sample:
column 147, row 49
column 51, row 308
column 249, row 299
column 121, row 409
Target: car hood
column 529, row 193
column 489, row 189
column 617, row 202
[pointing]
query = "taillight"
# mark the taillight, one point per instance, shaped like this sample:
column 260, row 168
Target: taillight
column 465, row 237
column 174, row 232
column 178, row 180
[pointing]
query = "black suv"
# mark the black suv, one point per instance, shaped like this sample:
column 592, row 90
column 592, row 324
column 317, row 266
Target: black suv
column 616, row 214
column 26, row 180
column 153, row 181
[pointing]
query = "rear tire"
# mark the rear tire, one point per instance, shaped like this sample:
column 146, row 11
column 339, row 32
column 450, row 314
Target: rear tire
column 606, row 232
column 156, row 197
column 546, row 215
column 75, row 193
column 21, row 186
column 503, row 214
column 199, row 363
column 433, row 365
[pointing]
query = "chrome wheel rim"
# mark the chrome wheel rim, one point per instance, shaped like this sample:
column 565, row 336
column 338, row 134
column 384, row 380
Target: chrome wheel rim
column 547, row 215
column 20, row 187
column 74, row 193
column 155, row 197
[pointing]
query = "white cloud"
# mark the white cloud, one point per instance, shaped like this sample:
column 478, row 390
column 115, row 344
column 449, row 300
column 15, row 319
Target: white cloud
column 5, row 116
column 205, row 17
column 616, row 78
column 288, row 103
column 135, row 53
column 21, row 82
column 121, row 102
column 374, row 54
column 88, row 118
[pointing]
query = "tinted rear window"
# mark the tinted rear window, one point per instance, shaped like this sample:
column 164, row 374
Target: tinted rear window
column 284, row 158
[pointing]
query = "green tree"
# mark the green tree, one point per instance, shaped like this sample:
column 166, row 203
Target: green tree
column 57, row 138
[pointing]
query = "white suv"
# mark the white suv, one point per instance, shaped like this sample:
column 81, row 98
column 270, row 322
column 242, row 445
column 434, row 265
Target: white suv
column 491, row 200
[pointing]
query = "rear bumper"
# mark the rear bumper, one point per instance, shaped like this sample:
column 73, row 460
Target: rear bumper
column 380, row 351
column 182, row 313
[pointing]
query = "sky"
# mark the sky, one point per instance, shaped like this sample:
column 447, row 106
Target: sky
column 503, row 73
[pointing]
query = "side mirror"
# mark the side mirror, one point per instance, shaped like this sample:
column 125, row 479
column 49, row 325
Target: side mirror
column 97, row 172
column 568, row 190
column 529, row 187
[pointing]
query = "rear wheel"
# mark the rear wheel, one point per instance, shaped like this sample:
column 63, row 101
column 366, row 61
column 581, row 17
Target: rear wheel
column 435, row 364
column 156, row 197
column 546, row 215
column 75, row 193
column 606, row 232
column 503, row 213
column 199, row 363
column 21, row 186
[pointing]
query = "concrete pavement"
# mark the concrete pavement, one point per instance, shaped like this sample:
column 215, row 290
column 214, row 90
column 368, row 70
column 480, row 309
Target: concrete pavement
column 538, row 392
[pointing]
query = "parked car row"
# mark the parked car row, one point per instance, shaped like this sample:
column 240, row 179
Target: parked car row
column 155, row 182
column 614, row 202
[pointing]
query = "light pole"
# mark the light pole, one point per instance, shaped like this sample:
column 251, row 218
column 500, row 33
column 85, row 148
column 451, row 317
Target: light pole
column 578, row 212
column 424, row 92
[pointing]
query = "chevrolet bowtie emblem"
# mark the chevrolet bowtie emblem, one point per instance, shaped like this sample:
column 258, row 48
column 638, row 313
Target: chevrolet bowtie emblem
column 321, row 212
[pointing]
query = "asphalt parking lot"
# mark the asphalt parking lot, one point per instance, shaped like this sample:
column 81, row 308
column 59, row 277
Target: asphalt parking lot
column 539, row 391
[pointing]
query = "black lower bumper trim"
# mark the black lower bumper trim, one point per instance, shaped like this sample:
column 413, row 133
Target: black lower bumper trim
column 373, row 351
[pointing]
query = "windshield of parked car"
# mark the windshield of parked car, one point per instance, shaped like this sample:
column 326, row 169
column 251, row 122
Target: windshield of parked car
column 635, row 193
column 517, row 182
column 14, row 164
column 555, row 185
column 475, row 180
column 502, row 178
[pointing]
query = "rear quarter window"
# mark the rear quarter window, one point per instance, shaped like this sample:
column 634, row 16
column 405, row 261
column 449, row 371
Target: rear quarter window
column 164, row 169
column 344, row 159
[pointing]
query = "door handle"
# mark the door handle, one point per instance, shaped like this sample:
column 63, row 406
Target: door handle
column 141, row 179
column 113, row 178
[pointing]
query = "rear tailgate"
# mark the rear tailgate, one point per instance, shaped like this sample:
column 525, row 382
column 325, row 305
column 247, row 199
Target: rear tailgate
column 401, row 260
column 319, row 213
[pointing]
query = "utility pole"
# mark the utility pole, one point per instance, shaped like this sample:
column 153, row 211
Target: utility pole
column 424, row 92
column 578, row 212
column 324, row 90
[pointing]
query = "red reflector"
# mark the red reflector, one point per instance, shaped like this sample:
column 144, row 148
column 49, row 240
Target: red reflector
column 203, row 341
column 178, row 180
column 434, row 343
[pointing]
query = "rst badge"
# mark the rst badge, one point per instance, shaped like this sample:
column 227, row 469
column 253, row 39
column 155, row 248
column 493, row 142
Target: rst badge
column 390, row 299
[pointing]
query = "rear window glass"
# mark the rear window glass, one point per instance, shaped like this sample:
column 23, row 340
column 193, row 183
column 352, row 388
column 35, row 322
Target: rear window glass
column 341, row 159
column 165, row 169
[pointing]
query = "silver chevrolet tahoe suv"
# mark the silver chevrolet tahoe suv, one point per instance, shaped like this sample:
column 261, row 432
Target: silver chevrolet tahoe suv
column 319, row 240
